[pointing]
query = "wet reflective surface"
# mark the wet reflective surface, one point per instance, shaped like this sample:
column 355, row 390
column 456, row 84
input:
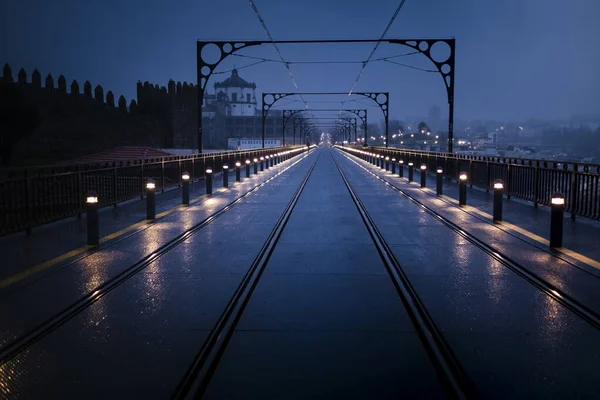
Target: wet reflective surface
column 513, row 340
column 325, row 320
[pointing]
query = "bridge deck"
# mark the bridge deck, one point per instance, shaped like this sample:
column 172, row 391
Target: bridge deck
column 329, row 302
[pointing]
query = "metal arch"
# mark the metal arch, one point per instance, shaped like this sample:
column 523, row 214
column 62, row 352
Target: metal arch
column 206, row 69
column 384, row 105
column 287, row 114
column 423, row 46
column 445, row 68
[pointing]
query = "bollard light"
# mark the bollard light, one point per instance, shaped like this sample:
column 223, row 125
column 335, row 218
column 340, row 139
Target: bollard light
column 262, row 163
column 92, row 198
column 237, row 171
column 93, row 224
column 410, row 171
column 387, row 163
column 185, row 188
column 401, row 168
column 498, row 188
column 423, row 175
column 267, row 162
column 393, row 166
column 225, row 175
column 150, row 199
column 209, row 178
column 439, row 176
column 248, row 168
column 557, row 209
column 462, row 189
column 255, row 166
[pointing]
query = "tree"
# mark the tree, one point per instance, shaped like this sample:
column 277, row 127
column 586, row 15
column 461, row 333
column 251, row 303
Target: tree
column 18, row 119
column 396, row 125
column 423, row 127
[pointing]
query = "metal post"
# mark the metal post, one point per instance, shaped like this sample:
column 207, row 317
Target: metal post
column 150, row 199
column 267, row 162
column 557, row 208
column 185, row 186
column 498, row 188
column 255, row 166
column 248, row 168
column 387, row 163
column 423, row 175
column 401, row 168
column 262, row 164
column 439, row 178
column 462, row 189
column 410, row 171
column 93, row 224
column 225, row 175
column 238, row 166
column 393, row 166
column 209, row 179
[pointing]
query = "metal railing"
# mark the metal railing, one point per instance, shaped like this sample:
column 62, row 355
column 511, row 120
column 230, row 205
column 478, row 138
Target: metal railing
column 36, row 196
column 528, row 179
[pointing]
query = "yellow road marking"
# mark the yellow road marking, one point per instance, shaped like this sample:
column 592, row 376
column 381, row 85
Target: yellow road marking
column 511, row 227
column 49, row 263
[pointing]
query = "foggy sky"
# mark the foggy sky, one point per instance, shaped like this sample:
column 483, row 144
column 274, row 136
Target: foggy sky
column 515, row 59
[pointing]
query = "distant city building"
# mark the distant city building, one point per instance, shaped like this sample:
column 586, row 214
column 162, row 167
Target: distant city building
column 251, row 143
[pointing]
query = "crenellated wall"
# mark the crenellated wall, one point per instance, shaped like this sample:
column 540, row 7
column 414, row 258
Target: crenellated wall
column 83, row 119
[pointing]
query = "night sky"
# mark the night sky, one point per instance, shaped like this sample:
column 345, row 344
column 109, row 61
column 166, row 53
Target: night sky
column 516, row 59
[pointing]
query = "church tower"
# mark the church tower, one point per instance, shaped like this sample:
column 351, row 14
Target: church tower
column 238, row 95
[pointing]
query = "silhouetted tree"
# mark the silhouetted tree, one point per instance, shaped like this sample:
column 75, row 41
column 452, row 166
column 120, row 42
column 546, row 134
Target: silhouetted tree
column 423, row 127
column 18, row 119
column 395, row 126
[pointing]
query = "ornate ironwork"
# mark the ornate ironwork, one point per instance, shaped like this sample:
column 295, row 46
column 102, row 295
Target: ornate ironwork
column 362, row 114
column 424, row 46
column 382, row 99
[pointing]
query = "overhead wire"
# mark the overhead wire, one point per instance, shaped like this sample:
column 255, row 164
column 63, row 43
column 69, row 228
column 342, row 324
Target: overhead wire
column 264, row 25
column 387, row 28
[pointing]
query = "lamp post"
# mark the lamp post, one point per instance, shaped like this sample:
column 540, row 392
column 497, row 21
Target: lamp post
column 557, row 208
column 439, row 177
column 225, row 175
column 150, row 199
column 462, row 189
column 209, row 179
column 93, row 224
column 185, row 188
column 498, row 188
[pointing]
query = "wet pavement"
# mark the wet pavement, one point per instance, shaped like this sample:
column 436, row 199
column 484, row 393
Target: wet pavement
column 63, row 241
column 325, row 320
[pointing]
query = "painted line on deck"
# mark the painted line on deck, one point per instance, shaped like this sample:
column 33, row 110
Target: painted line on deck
column 11, row 280
column 509, row 227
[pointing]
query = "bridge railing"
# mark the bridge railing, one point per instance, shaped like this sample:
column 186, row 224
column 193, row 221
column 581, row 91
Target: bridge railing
column 528, row 179
column 36, row 196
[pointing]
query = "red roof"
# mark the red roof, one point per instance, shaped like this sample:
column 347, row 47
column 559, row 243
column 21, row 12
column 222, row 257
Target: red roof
column 121, row 154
